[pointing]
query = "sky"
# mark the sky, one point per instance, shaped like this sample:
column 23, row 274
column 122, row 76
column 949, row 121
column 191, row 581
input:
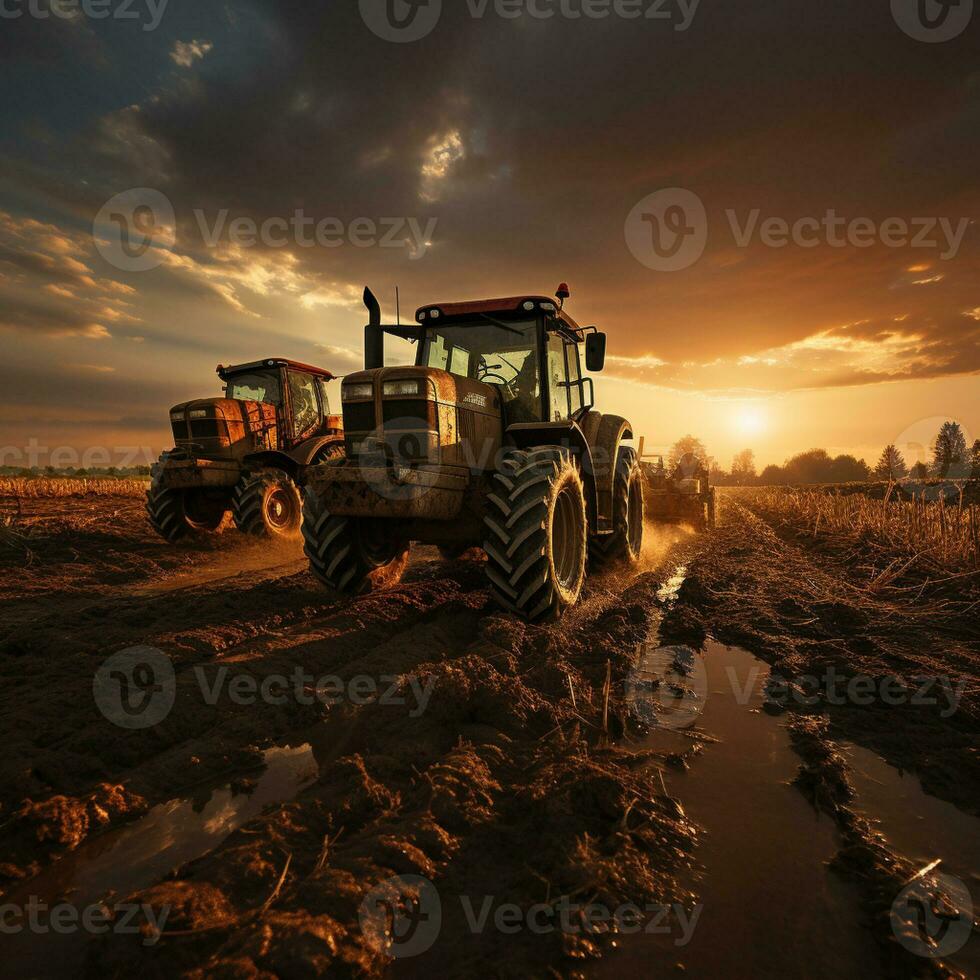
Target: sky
column 770, row 207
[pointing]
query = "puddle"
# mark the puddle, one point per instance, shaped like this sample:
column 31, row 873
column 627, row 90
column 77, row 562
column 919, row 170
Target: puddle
column 138, row 855
column 672, row 586
column 770, row 906
column 921, row 827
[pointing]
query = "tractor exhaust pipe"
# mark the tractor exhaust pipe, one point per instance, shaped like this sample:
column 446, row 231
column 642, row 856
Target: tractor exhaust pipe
column 374, row 338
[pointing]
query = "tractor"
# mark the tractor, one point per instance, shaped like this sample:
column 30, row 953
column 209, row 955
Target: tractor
column 245, row 453
column 683, row 495
column 490, row 440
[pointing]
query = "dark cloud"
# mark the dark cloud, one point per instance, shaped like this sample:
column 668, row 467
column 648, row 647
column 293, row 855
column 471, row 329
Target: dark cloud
column 530, row 141
column 50, row 320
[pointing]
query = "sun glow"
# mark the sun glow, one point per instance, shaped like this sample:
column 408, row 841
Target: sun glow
column 750, row 420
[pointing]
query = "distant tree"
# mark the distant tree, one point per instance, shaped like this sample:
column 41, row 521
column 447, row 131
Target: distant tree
column 975, row 460
column 689, row 444
column 891, row 466
column 849, row 469
column 718, row 477
column 813, row 466
column 920, row 471
column 773, row 476
column 743, row 468
column 949, row 457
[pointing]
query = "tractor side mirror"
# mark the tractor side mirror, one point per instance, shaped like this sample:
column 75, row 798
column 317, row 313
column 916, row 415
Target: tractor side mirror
column 595, row 351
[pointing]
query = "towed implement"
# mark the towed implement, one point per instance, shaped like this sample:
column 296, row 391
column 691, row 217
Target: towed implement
column 683, row 495
column 245, row 454
column 489, row 440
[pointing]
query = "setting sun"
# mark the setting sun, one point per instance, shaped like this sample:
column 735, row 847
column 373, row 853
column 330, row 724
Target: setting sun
column 750, row 420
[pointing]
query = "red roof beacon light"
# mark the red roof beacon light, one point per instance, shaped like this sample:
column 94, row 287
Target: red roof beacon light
column 562, row 293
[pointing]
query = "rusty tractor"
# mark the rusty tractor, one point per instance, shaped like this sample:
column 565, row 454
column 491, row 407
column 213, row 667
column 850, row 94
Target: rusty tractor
column 245, row 453
column 683, row 495
column 490, row 440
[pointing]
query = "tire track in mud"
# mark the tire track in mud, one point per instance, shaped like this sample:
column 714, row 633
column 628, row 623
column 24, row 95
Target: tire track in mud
column 483, row 793
column 508, row 678
column 803, row 609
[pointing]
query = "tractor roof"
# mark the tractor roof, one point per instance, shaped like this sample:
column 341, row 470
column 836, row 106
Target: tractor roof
column 226, row 372
column 508, row 306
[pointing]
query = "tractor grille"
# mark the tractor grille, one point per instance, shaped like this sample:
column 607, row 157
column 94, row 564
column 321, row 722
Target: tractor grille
column 409, row 414
column 465, row 426
column 207, row 429
column 359, row 416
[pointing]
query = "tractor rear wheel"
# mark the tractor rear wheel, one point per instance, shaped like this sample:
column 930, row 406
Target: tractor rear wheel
column 536, row 530
column 351, row 555
column 267, row 504
column 626, row 541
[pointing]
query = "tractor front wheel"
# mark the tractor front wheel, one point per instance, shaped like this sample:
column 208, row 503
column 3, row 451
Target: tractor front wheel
column 175, row 514
column 536, row 530
column 351, row 555
column 267, row 504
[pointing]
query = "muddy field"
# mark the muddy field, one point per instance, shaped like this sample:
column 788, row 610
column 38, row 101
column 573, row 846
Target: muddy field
column 682, row 776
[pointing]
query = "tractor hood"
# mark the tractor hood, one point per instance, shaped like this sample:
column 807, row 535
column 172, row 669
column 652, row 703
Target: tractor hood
column 223, row 427
column 420, row 414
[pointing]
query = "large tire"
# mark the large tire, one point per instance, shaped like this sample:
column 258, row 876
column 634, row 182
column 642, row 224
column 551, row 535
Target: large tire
column 626, row 541
column 536, row 528
column 267, row 504
column 165, row 508
column 350, row 555
column 176, row 514
column 330, row 453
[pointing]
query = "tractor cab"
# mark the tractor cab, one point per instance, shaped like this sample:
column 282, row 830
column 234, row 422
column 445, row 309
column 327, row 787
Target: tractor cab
column 486, row 372
column 527, row 347
column 290, row 397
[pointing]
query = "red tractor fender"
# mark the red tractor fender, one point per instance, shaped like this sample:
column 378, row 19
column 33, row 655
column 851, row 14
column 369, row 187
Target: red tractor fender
column 311, row 450
column 607, row 433
column 297, row 459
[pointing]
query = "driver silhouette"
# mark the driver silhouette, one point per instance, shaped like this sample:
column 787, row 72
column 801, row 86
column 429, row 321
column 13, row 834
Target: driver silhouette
column 523, row 392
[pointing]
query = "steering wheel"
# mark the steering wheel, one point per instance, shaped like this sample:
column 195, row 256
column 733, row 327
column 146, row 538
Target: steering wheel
column 487, row 372
column 304, row 405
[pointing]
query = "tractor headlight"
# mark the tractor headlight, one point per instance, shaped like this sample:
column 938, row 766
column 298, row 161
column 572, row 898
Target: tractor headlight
column 401, row 388
column 176, row 417
column 198, row 413
column 355, row 391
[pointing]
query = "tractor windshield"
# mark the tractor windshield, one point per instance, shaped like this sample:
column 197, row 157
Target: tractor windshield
column 499, row 353
column 256, row 386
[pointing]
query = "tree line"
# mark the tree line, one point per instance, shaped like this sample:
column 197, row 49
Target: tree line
column 951, row 458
